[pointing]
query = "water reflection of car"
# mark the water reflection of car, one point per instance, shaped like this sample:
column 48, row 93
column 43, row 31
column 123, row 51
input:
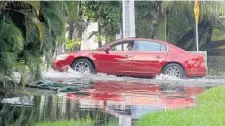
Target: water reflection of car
column 136, row 99
column 135, row 93
column 135, row 57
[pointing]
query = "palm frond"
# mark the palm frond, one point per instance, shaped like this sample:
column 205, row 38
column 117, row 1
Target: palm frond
column 209, row 9
column 44, row 24
column 40, row 26
column 71, row 10
column 35, row 5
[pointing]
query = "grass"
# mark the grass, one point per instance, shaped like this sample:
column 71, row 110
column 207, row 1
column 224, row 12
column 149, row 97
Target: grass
column 78, row 122
column 209, row 111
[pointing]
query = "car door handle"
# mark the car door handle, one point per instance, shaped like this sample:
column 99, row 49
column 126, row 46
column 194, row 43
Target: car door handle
column 127, row 56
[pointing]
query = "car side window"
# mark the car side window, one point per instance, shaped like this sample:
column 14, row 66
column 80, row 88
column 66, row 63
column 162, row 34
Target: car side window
column 122, row 46
column 150, row 46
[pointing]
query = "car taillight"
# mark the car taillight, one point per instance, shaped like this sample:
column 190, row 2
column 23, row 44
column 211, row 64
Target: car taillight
column 204, row 59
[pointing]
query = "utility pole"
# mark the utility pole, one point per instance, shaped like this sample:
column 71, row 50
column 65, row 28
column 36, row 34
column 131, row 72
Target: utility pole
column 196, row 12
column 128, row 19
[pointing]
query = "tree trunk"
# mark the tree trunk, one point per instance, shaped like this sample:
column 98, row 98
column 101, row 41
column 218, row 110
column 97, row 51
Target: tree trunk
column 78, row 26
column 70, row 34
column 121, row 18
column 153, row 28
column 185, row 38
column 71, row 30
column 99, row 26
column 155, row 11
column 99, row 37
column 154, row 22
column 209, row 35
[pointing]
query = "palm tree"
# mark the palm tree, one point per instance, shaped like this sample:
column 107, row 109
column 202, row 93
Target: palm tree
column 209, row 17
column 76, row 24
column 31, row 30
column 12, row 41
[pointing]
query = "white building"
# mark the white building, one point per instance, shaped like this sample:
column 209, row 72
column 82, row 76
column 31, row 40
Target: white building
column 91, row 43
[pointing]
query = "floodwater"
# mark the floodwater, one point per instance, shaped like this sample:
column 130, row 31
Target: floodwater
column 72, row 75
column 106, row 99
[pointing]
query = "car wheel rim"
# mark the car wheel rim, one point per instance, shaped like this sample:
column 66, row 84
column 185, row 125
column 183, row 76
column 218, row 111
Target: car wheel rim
column 82, row 67
column 173, row 71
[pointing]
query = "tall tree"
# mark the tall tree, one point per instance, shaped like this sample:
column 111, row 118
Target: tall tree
column 106, row 14
column 208, row 13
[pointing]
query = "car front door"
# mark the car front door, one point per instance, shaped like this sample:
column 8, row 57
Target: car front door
column 149, row 57
column 117, row 61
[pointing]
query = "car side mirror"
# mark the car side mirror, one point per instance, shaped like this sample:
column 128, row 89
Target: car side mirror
column 107, row 49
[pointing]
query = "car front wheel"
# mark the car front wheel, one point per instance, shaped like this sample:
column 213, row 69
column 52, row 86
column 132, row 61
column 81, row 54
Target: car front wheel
column 174, row 70
column 83, row 66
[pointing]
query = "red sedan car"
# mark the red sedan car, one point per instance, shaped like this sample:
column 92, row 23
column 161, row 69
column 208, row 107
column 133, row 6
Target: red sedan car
column 135, row 57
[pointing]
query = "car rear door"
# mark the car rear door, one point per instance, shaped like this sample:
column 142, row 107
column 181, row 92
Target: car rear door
column 149, row 57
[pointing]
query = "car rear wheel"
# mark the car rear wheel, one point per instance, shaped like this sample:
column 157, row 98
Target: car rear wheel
column 174, row 70
column 83, row 66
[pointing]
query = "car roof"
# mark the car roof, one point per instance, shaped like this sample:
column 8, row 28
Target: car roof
column 135, row 38
column 153, row 40
column 147, row 39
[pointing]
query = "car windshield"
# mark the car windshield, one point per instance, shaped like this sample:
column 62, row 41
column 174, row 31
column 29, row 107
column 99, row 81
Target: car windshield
column 107, row 43
column 103, row 46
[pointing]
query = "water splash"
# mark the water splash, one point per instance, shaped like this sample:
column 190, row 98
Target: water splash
column 61, row 75
column 160, row 79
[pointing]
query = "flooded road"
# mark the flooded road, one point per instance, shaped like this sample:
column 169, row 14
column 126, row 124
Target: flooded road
column 161, row 79
column 106, row 99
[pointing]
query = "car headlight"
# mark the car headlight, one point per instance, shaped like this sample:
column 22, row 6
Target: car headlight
column 61, row 57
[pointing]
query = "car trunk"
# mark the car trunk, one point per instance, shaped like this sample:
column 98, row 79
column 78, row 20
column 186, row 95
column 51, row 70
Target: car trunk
column 204, row 54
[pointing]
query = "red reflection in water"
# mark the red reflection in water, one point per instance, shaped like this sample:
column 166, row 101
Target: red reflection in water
column 193, row 91
column 133, row 93
column 175, row 103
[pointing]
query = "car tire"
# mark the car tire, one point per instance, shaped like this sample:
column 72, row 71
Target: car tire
column 86, row 63
column 174, row 69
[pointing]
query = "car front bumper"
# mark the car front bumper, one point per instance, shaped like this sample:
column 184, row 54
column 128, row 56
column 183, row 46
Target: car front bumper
column 60, row 65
